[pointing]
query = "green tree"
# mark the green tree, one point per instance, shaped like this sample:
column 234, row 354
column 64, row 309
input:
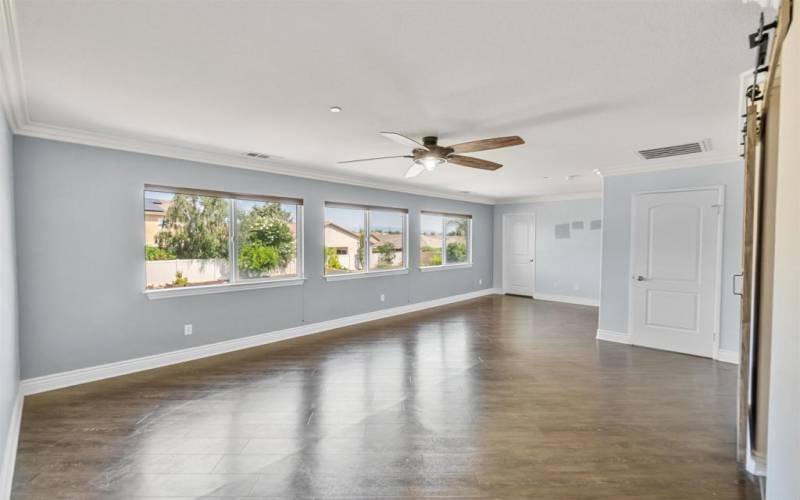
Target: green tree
column 387, row 252
column 360, row 250
column 265, row 238
column 457, row 227
column 332, row 259
column 195, row 227
column 456, row 252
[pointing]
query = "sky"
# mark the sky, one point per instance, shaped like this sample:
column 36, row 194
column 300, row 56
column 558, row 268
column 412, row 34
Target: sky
column 353, row 219
column 245, row 205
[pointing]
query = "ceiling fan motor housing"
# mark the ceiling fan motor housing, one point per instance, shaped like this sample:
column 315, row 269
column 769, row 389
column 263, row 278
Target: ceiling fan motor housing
column 433, row 149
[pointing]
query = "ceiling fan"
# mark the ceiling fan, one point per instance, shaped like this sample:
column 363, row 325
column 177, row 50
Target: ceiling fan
column 428, row 154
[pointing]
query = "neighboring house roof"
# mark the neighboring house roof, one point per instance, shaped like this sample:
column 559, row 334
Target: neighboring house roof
column 374, row 239
column 395, row 239
column 429, row 240
column 155, row 205
column 339, row 228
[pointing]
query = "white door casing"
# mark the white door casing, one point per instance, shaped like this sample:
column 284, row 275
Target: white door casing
column 675, row 270
column 519, row 244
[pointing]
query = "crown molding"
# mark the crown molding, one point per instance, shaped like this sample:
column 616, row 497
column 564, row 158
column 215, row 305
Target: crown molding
column 208, row 155
column 698, row 160
column 551, row 197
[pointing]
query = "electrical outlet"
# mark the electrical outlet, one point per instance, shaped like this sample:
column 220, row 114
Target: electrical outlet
column 480, row 282
column 187, row 329
column 383, row 298
column 577, row 287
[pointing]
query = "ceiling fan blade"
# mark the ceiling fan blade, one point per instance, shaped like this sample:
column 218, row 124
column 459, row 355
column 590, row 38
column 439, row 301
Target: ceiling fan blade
column 414, row 170
column 378, row 158
column 401, row 139
column 486, row 144
column 468, row 161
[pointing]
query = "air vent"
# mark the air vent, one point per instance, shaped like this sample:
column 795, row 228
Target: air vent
column 679, row 150
column 252, row 154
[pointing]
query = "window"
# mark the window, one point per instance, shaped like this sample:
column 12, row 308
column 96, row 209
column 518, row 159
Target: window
column 266, row 239
column 195, row 238
column 362, row 240
column 387, row 240
column 445, row 239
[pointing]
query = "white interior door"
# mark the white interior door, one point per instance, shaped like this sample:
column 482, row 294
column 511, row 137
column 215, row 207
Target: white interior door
column 518, row 253
column 675, row 288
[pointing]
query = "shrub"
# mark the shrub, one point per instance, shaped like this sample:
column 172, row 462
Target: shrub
column 387, row 252
column 180, row 280
column 156, row 253
column 435, row 260
column 256, row 258
column 331, row 259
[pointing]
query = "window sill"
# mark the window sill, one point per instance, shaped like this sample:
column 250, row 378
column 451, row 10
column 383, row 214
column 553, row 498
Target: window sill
column 168, row 293
column 445, row 267
column 373, row 274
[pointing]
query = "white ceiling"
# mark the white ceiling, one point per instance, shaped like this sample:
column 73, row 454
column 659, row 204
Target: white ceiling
column 585, row 83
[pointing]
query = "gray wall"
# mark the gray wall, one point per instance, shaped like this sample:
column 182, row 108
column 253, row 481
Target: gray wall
column 569, row 267
column 9, row 348
column 81, row 270
column 617, row 198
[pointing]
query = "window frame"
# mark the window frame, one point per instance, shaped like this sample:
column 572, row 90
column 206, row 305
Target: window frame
column 234, row 283
column 445, row 218
column 367, row 272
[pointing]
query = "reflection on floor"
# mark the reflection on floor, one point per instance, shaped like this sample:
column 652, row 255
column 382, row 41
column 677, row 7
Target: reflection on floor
column 495, row 397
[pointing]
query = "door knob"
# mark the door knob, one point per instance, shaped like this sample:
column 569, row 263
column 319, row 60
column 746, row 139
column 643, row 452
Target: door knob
column 640, row 278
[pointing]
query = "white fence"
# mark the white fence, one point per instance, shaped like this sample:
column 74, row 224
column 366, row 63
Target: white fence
column 162, row 272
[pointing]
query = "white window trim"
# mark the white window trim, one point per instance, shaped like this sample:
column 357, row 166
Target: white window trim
column 367, row 272
column 444, row 265
column 236, row 283
column 187, row 291
column 371, row 274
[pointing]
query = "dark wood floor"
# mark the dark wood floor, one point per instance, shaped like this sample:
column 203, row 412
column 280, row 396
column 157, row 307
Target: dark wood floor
column 499, row 397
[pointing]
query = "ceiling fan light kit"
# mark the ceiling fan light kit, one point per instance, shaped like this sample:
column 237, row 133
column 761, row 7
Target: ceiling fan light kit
column 428, row 154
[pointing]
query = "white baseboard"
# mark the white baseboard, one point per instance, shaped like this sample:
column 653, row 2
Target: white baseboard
column 723, row 355
column 93, row 373
column 583, row 301
column 756, row 465
column 612, row 336
column 9, row 456
column 727, row 356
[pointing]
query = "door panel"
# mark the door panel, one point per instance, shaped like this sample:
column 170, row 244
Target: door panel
column 674, row 242
column 677, row 310
column 675, row 262
column 518, row 254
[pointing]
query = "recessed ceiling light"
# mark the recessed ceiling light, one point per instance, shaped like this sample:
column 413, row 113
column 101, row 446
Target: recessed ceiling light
column 597, row 172
column 336, row 109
